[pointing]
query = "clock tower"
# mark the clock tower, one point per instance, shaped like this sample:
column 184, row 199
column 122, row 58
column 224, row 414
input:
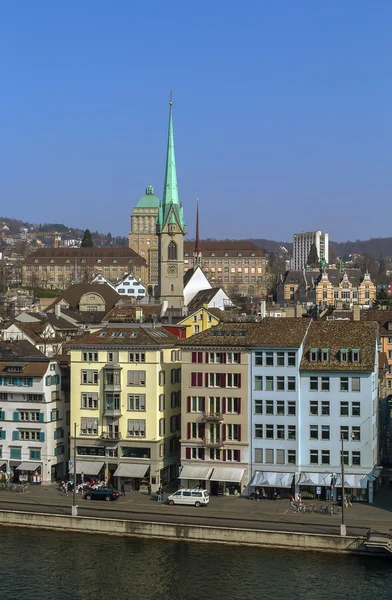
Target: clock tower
column 171, row 231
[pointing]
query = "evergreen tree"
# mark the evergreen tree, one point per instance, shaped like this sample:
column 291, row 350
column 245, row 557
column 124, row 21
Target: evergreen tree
column 87, row 241
column 313, row 258
column 383, row 298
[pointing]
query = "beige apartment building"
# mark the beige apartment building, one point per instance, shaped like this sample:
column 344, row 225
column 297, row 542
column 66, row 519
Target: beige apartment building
column 214, row 418
column 60, row 267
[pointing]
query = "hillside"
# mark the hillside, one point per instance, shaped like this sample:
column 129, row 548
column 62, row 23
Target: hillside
column 375, row 247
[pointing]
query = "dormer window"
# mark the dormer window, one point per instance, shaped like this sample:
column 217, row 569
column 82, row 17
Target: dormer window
column 344, row 355
column 313, row 354
column 239, row 253
column 390, row 326
column 325, row 354
column 226, row 254
column 212, row 253
column 355, row 355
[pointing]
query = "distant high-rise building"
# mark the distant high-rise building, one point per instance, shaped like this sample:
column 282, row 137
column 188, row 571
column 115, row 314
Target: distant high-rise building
column 302, row 244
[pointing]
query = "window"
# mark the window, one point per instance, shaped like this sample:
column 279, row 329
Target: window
column 344, row 384
column 269, row 359
column 313, row 354
column 161, row 377
column 280, row 359
column 197, row 404
column 161, row 427
column 313, row 407
column 197, row 379
column 90, row 377
column 355, row 409
column 356, row 458
column 197, row 357
column 161, row 402
column 280, row 457
column 90, row 400
column 291, row 408
column 258, row 383
column 314, row 457
column 344, row 432
column 325, row 408
column 344, row 409
column 258, row 407
column 356, row 434
column 280, row 407
column 291, row 457
column 355, row 384
column 325, row 384
column 324, row 354
column 259, row 359
column 325, row 457
column 258, row 455
column 314, row 383
column 136, row 402
column 344, row 355
column 269, row 456
column 35, row 454
column 90, row 356
column 137, row 357
column 313, row 432
column 291, row 432
column 269, row 432
column 280, row 384
column 16, row 453
column 258, row 432
column 269, row 384
column 280, row 432
column 325, row 433
column 291, row 359
column 269, row 407
column 172, row 251
column 233, row 380
column 88, row 426
column 112, row 356
column 137, row 378
column 345, row 457
column 291, row 384
column 136, row 428
column 355, row 355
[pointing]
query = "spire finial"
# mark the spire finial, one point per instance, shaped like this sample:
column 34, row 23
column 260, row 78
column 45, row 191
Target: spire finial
column 170, row 99
column 197, row 252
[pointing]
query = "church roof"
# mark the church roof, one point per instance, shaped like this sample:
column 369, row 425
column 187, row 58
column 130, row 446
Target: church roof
column 149, row 200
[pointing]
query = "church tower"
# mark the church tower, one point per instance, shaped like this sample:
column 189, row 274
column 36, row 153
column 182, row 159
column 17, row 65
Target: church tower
column 171, row 231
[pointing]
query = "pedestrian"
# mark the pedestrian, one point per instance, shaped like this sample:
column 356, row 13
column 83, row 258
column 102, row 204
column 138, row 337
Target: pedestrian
column 65, row 488
column 159, row 495
column 328, row 494
column 349, row 503
column 149, row 489
column 122, row 489
column 292, row 505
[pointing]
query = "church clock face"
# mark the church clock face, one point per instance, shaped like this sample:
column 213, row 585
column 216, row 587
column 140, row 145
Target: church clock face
column 172, row 270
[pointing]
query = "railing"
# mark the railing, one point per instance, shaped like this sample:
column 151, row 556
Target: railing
column 212, row 442
column 108, row 435
column 112, row 412
column 211, row 416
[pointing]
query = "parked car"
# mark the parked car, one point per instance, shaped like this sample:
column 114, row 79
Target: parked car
column 194, row 497
column 102, row 494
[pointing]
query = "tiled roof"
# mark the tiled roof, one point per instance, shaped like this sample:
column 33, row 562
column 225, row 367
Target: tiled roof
column 231, row 247
column 335, row 335
column 128, row 337
column 382, row 317
column 270, row 333
column 31, row 369
column 73, row 294
column 202, row 297
column 89, row 255
column 20, row 350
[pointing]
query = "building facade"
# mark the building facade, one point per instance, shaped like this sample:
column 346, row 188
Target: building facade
column 302, row 243
column 60, row 267
column 33, row 415
column 125, row 405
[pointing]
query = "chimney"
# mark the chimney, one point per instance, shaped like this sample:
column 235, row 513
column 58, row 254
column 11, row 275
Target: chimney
column 356, row 312
column 57, row 310
column 298, row 310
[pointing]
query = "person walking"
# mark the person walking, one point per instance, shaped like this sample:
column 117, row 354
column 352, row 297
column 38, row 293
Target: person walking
column 122, row 489
column 149, row 489
column 159, row 495
column 328, row 494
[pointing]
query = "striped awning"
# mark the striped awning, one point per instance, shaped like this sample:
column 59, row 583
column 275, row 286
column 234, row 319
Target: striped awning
column 137, row 470
column 197, row 472
column 87, row 467
column 227, row 475
column 272, row 479
column 28, row 466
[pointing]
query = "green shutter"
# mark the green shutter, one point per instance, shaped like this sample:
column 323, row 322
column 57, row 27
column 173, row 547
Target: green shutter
column 2, row 415
column 16, row 416
column 2, row 435
column 41, row 436
column 30, row 381
column 41, row 417
column 15, row 436
column 55, row 434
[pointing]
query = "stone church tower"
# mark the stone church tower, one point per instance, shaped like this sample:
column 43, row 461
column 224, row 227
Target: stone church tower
column 171, row 231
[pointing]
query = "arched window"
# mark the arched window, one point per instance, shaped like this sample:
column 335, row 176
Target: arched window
column 172, row 251
column 172, row 287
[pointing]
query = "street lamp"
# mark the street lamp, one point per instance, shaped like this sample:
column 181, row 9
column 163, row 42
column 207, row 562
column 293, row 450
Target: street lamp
column 343, row 524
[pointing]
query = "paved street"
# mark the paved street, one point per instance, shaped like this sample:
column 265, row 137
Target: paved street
column 223, row 512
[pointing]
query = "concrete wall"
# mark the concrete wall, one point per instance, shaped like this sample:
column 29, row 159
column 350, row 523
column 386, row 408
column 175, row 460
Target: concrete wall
column 276, row 539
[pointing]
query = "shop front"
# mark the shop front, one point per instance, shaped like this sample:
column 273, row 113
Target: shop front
column 91, row 468
column 226, row 481
column 3, row 471
column 317, row 485
column 328, row 486
column 271, row 484
column 358, row 487
column 28, row 472
column 193, row 476
column 133, row 476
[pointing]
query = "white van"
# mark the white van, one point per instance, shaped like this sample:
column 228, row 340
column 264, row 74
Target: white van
column 194, row 497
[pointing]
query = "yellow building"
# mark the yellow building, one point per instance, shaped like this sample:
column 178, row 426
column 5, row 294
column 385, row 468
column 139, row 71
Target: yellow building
column 126, row 405
column 200, row 320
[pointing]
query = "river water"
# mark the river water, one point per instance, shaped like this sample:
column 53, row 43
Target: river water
column 44, row 565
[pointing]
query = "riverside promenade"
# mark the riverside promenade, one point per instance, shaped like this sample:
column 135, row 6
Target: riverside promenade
column 221, row 512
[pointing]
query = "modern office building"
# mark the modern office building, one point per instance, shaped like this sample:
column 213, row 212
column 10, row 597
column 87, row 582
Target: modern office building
column 302, row 243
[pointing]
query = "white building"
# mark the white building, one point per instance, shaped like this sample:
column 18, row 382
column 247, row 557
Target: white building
column 308, row 390
column 302, row 243
column 129, row 286
column 33, row 430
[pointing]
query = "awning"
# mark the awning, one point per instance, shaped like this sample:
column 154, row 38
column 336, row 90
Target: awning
column 2, row 462
column 131, row 470
column 87, row 467
column 28, row 466
column 318, row 479
column 352, row 480
column 195, row 472
column 272, row 479
column 227, row 475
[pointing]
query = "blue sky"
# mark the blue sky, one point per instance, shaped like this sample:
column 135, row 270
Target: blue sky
column 282, row 113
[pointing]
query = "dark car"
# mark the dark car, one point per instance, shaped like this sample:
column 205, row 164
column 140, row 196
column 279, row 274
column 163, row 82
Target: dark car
column 102, row 494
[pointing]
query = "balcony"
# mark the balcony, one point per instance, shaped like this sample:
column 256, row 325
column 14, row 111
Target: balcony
column 112, row 387
column 109, row 411
column 212, row 442
column 111, row 435
column 211, row 417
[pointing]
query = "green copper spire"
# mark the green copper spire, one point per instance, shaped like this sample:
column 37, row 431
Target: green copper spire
column 171, row 205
